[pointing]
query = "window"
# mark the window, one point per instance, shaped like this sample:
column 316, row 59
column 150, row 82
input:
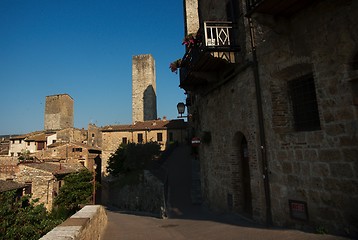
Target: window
column 76, row 149
column 12, row 154
column 304, row 103
column 124, row 140
column 40, row 145
column 93, row 135
column 28, row 143
column 20, row 141
column 140, row 137
column 53, row 141
column 28, row 187
column 159, row 137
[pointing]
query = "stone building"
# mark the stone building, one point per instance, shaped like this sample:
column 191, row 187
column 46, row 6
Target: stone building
column 71, row 152
column 40, row 179
column 43, row 180
column 68, row 135
column 58, row 112
column 30, row 142
column 273, row 90
column 161, row 131
column 4, row 145
column 144, row 96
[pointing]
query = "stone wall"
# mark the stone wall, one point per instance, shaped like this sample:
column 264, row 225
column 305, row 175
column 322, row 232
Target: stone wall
column 146, row 197
column 318, row 168
column 229, row 117
column 42, row 184
column 86, row 224
column 58, row 112
column 191, row 17
column 72, row 135
column 144, row 96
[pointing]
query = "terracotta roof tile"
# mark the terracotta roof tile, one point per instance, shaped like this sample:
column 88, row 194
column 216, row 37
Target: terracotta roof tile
column 56, row 168
column 153, row 125
column 10, row 185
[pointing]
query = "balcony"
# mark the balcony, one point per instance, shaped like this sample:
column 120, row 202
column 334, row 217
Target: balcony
column 285, row 8
column 212, row 52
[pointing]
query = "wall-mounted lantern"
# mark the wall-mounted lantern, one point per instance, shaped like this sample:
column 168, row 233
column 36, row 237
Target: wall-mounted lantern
column 181, row 109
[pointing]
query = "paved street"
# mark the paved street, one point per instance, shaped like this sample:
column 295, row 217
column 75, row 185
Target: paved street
column 187, row 221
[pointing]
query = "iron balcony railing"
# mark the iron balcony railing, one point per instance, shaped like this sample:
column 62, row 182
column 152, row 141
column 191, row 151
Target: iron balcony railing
column 213, row 47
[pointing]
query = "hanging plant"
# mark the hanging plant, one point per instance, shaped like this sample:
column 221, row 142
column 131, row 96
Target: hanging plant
column 174, row 66
column 189, row 40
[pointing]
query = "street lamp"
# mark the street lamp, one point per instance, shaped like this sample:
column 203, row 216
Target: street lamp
column 181, row 109
column 94, row 184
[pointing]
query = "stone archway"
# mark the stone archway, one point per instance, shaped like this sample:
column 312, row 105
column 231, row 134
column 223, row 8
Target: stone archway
column 242, row 176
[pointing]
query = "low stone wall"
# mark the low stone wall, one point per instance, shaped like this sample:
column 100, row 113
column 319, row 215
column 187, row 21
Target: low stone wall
column 146, row 198
column 86, row 224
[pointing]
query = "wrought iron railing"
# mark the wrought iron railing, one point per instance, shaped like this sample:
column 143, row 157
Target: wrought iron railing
column 217, row 34
column 214, row 39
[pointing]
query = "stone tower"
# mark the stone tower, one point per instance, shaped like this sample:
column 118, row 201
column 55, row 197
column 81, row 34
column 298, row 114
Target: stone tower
column 58, row 112
column 191, row 16
column 144, row 97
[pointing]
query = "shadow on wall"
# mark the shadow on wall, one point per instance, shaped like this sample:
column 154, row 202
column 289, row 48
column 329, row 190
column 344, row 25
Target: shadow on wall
column 149, row 104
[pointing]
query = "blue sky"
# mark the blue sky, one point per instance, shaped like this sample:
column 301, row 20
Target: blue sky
column 84, row 48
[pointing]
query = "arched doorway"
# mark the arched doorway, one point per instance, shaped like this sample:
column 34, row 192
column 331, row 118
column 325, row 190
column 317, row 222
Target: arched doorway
column 242, row 176
column 245, row 173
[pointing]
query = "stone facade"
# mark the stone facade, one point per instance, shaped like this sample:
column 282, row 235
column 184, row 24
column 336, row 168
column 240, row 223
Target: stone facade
column 191, row 17
column 161, row 131
column 144, row 96
column 317, row 168
column 43, row 180
column 71, row 153
column 58, row 112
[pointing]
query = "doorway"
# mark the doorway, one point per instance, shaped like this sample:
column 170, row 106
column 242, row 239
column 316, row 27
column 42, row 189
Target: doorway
column 245, row 173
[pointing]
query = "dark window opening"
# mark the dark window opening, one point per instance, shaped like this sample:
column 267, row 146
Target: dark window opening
column 159, row 137
column 140, row 137
column 76, row 149
column 124, row 140
column 304, row 103
column 40, row 145
column 28, row 187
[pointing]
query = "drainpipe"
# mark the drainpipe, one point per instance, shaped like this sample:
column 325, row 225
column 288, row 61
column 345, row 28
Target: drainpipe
column 261, row 126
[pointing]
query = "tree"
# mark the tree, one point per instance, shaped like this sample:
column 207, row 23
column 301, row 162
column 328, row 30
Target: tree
column 22, row 219
column 76, row 191
column 132, row 157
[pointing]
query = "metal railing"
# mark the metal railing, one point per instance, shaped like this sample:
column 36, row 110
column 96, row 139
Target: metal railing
column 217, row 34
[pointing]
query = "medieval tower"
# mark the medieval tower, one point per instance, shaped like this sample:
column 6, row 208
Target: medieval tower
column 58, row 112
column 144, row 97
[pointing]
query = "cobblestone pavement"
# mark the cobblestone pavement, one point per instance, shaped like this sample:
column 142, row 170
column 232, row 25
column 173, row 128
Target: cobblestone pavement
column 187, row 221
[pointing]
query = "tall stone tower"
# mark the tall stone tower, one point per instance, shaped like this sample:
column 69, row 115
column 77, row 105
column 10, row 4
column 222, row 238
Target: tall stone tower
column 144, row 97
column 191, row 16
column 58, row 112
